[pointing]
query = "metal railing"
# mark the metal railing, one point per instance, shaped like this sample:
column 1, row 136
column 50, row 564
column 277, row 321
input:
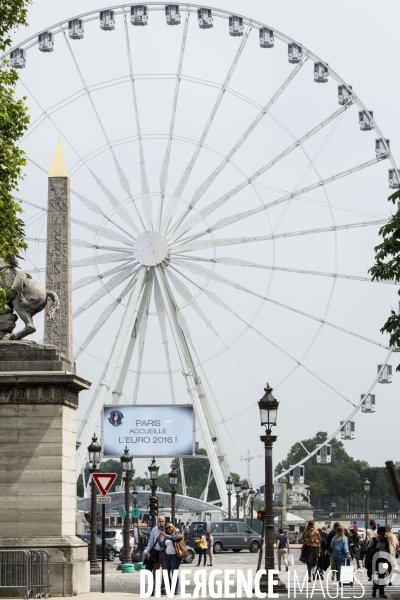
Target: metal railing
column 27, row 569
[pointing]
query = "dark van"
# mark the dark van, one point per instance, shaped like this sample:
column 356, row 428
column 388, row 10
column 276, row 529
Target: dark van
column 228, row 535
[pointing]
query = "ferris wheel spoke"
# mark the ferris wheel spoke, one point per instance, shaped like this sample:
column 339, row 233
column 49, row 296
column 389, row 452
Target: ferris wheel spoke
column 299, row 363
column 146, row 198
column 103, row 231
column 119, row 208
column 165, row 165
column 195, row 219
column 121, row 211
column 121, row 175
column 187, row 296
column 106, row 288
column 84, row 244
column 142, row 333
column 95, row 406
column 200, row 191
column 312, row 165
column 102, row 259
column 203, row 272
column 107, row 312
column 161, row 315
column 193, row 244
column 84, row 281
column 225, row 260
column 173, row 204
column 216, row 243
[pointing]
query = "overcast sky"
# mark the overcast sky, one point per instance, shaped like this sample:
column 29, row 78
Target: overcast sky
column 359, row 41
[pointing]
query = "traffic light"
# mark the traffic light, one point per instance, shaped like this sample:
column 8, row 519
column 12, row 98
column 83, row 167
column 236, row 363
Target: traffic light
column 261, row 515
column 153, row 502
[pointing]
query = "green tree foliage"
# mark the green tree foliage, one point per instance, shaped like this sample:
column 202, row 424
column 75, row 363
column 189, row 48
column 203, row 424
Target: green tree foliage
column 13, row 123
column 342, row 479
column 387, row 267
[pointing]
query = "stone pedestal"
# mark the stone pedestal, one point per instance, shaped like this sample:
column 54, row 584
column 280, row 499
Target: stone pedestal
column 38, row 401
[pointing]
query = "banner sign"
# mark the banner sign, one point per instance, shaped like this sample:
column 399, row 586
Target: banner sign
column 150, row 430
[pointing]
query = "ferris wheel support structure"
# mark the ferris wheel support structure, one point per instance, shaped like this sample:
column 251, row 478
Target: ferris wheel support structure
column 117, row 393
column 216, row 455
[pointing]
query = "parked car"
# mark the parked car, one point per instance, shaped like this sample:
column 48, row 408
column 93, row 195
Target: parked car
column 109, row 549
column 190, row 557
column 228, row 535
column 115, row 538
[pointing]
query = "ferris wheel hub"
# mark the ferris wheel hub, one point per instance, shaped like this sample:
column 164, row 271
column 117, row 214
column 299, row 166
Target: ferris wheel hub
column 150, row 248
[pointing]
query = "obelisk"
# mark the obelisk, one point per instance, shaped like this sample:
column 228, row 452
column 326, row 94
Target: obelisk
column 58, row 332
column 39, row 392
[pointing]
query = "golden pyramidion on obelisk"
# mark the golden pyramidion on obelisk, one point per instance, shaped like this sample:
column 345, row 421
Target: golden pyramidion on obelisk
column 58, row 167
column 58, row 331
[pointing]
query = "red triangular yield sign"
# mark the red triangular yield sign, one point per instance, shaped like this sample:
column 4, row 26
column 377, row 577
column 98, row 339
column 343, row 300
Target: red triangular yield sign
column 104, row 481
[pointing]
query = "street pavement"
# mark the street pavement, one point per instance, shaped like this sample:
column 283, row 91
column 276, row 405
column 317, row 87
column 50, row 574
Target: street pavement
column 117, row 582
column 121, row 586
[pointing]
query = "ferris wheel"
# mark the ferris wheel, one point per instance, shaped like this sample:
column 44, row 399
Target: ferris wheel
column 222, row 209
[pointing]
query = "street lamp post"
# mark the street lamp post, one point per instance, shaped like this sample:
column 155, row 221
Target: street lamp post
column 135, row 495
column 238, row 489
column 252, row 494
column 245, row 494
column 229, row 488
column 126, row 460
column 173, row 482
column 385, row 508
column 268, row 406
column 367, row 487
column 153, row 470
column 94, row 451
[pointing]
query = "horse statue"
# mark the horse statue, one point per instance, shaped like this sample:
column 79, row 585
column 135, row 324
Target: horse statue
column 26, row 297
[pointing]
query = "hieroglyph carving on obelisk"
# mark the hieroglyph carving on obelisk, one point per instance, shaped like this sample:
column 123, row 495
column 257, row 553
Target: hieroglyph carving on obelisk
column 58, row 258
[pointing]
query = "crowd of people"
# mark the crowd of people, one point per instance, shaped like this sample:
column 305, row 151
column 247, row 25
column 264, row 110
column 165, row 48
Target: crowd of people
column 332, row 547
column 162, row 551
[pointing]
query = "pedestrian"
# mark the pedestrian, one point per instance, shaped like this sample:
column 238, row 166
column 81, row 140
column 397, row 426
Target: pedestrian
column 309, row 549
column 296, row 537
column 331, row 535
column 379, row 543
column 340, row 549
column 324, row 533
column 355, row 526
column 210, row 547
column 141, row 544
column 393, row 544
column 155, row 550
column 171, row 562
column 282, row 549
column 203, row 549
column 354, row 545
column 321, row 562
column 186, row 532
column 367, row 536
column 179, row 525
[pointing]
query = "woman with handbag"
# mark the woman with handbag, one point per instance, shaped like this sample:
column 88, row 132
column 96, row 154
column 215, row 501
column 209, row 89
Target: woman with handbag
column 171, row 560
column 309, row 549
